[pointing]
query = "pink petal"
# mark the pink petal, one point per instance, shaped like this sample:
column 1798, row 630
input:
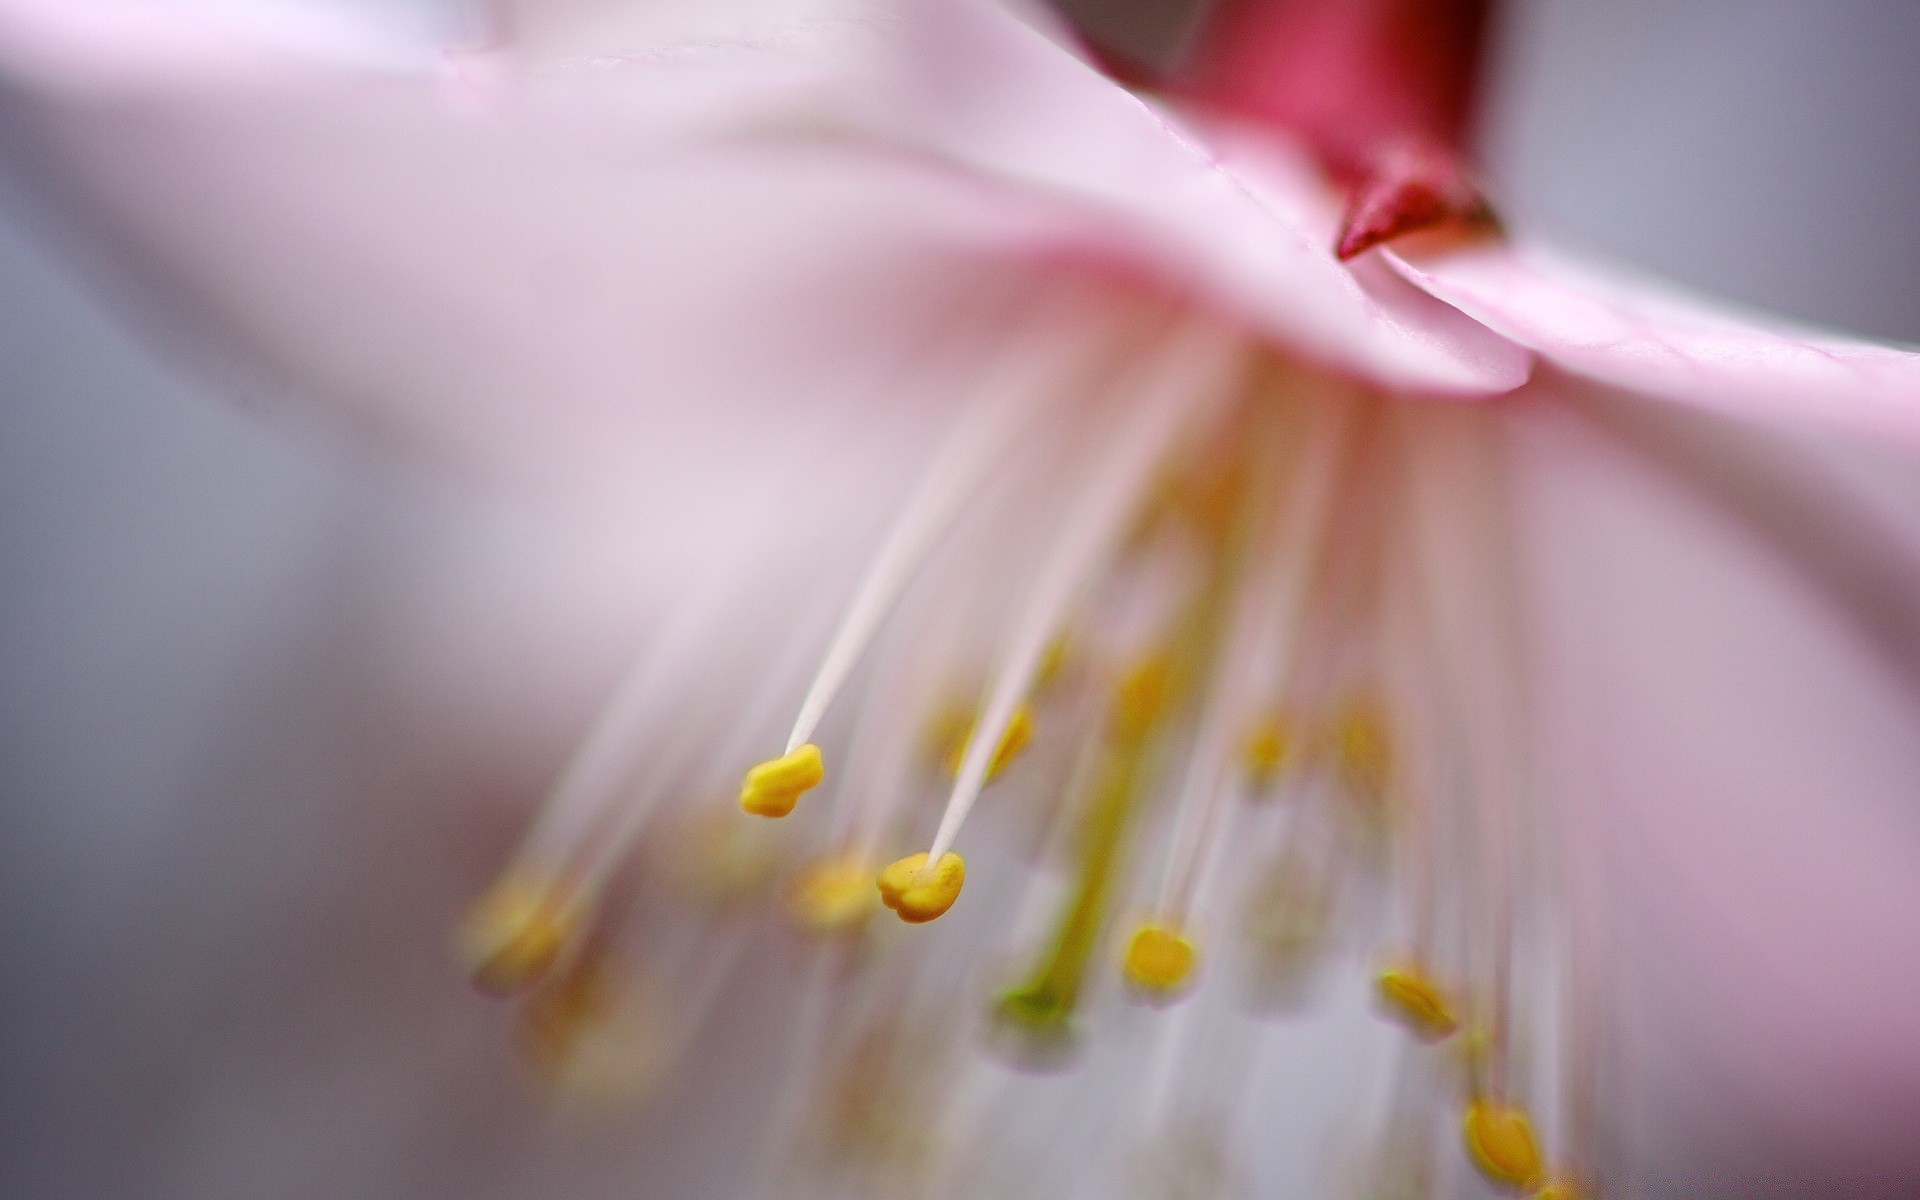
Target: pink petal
column 517, row 286
column 1653, row 342
column 1239, row 220
column 610, row 244
column 77, row 42
column 1733, row 754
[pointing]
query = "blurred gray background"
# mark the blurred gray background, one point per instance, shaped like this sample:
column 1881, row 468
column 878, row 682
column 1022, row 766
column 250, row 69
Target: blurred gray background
column 177, row 579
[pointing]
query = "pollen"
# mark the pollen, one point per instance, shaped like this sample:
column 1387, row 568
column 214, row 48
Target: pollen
column 1561, row 1189
column 919, row 892
column 512, row 936
column 1500, row 1139
column 1411, row 997
column 775, row 786
column 1263, row 751
column 1012, row 742
column 834, row 895
column 1159, row 961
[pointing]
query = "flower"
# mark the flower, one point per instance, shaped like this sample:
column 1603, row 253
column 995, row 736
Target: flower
column 1241, row 575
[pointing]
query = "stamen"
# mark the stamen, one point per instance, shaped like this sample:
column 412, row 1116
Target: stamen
column 1456, row 520
column 835, row 895
column 514, row 934
column 919, row 892
column 1410, row 996
column 1184, row 390
column 1019, row 385
column 1263, row 751
column 567, row 851
column 1044, row 1004
column 1363, row 752
column 597, row 1038
column 777, row 670
column 1159, row 961
column 1012, row 742
column 1265, row 625
column 1500, row 1139
column 772, row 788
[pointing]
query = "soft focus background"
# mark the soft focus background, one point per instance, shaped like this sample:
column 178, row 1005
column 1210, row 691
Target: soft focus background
column 202, row 635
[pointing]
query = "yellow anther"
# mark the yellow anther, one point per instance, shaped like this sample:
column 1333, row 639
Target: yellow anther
column 834, row 895
column 1500, row 1139
column 1363, row 748
column 511, row 937
column 1561, row 1189
column 1012, row 742
column 1411, row 997
column 1054, row 664
column 1142, row 694
column 597, row 1035
column 918, row 892
column 1159, row 961
column 772, row 788
column 947, row 730
column 1264, row 751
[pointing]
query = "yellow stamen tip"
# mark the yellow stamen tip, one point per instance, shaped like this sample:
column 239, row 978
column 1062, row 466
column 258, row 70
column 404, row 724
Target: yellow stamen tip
column 1364, row 747
column 511, row 937
column 775, row 786
column 834, row 895
column 1561, row 1189
column 919, row 892
column 1264, row 751
column 1053, row 666
column 1012, row 742
column 1159, row 961
column 1140, row 698
column 1411, row 997
column 599, row 1038
column 1500, row 1139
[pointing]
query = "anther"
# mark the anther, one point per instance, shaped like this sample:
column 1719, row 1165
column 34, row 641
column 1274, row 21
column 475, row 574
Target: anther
column 1411, row 997
column 775, row 786
column 1362, row 748
column 834, row 895
column 1500, row 1139
column 919, row 892
column 1140, row 697
column 597, row 1036
column 512, row 936
column 1012, row 742
column 1263, row 751
column 1159, row 961
column 1561, row 1189
column 1054, row 663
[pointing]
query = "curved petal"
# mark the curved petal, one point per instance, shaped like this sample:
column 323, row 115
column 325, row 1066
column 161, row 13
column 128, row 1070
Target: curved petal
column 1655, row 343
column 1241, row 221
column 483, row 265
column 77, row 44
column 1732, row 754
column 498, row 283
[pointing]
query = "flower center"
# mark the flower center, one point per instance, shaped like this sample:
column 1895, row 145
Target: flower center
column 1250, row 685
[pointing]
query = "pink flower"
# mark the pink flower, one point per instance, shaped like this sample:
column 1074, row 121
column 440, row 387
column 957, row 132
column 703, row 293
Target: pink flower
column 1457, row 623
